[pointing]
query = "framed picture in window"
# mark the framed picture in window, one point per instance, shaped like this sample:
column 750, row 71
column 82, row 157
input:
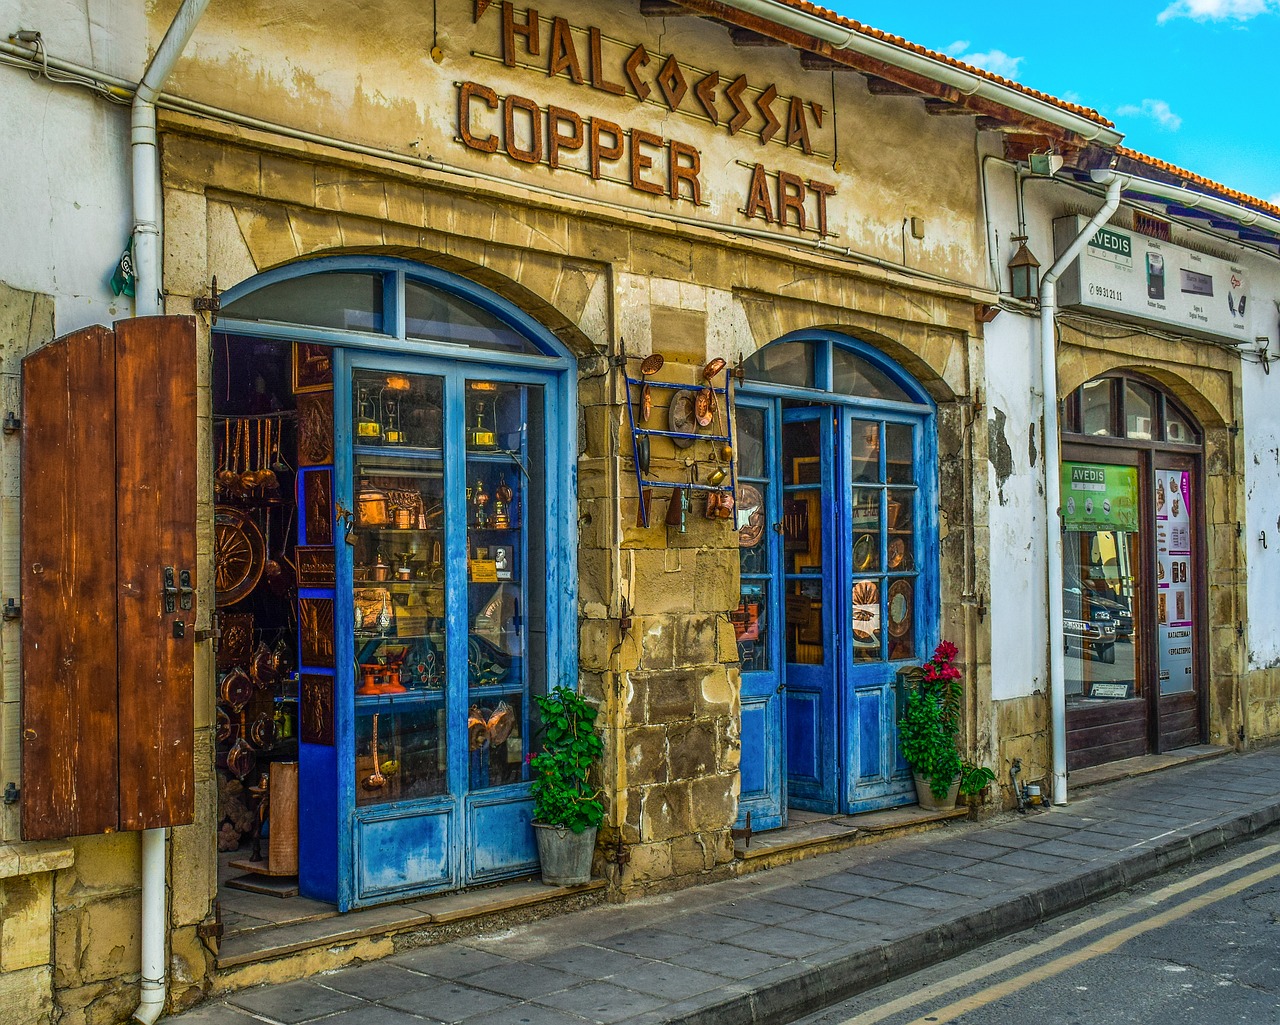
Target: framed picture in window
column 312, row 367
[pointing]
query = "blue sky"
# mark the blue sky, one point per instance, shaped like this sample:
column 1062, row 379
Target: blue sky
column 1188, row 81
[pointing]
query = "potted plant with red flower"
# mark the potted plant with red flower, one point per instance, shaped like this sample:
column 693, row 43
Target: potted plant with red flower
column 930, row 725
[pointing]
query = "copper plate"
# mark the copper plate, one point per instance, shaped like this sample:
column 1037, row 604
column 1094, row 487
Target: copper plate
column 238, row 551
column 751, row 506
column 646, row 403
column 650, row 365
column 681, row 418
column 643, row 449
column 899, row 607
column 712, row 368
column 864, row 552
column 897, row 552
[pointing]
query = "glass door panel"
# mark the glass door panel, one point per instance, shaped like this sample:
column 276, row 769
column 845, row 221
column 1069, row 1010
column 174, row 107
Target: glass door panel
column 506, row 576
column 398, row 586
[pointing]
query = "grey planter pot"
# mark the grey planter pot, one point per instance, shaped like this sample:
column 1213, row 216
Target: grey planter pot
column 564, row 854
column 930, row 803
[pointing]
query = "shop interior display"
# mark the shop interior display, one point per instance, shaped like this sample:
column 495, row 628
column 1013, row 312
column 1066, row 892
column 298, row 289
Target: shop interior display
column 255, row 532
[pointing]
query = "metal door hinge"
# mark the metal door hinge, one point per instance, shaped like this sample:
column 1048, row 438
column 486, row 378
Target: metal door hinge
column 214, row 633
column 212, row 930
column 12, row 609
column 12, row 422
column 11, row 793
column 743, row 833
column 209, row 304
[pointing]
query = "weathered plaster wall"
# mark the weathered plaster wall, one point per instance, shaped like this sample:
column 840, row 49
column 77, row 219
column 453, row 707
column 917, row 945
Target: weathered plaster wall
column 1015, row 479
column 374, row 83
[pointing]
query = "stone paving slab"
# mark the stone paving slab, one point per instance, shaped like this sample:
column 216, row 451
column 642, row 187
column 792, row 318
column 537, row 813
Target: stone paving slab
column 766, row 948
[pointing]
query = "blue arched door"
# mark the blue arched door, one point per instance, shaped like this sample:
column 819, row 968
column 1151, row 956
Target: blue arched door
column 837, row 497
column 435, row 480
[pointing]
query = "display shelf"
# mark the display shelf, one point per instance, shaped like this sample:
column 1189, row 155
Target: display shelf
column 725, row 405
column 370, row 704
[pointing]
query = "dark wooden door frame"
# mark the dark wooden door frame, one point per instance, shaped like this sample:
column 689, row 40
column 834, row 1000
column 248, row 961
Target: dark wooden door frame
column 1144, row 455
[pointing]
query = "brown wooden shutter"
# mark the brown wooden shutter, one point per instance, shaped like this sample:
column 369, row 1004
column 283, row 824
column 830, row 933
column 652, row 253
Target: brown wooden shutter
column 108, row 506
column 69, row 587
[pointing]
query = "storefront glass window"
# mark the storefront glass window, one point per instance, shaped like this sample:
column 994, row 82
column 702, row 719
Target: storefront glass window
column 437, row 316
column 344, row 300
column 1095, row 406
column 506, row 576
column 853, row 375
column 1140, row 403
column 1176, row 427
column 399, row 586
column 751, row 618
column 1101, row 584
column 787, row 363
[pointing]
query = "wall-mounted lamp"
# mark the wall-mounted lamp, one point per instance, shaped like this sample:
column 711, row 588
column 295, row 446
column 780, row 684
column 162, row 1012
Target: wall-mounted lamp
column 1024, row 271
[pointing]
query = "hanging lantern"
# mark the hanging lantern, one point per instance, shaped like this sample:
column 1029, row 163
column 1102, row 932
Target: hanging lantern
column 1024, row 272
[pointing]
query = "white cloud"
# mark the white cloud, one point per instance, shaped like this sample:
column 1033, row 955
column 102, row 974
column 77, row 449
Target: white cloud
column 1157, row 110
column 996, row 61
column 1217, row 10
column 1275, row 200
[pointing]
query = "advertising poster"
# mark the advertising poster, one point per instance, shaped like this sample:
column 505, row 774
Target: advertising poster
column 1174, row 607
column 1097, row 496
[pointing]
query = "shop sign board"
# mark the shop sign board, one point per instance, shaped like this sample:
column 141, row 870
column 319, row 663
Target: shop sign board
column 1097, row 496
column 1135, row 277
column 1174, row 607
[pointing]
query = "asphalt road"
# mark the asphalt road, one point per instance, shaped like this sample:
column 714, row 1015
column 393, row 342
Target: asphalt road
column 1198, row 946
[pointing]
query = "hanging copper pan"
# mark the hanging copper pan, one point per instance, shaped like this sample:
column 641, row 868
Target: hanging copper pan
column 712, row 368
column 646, row 403
column 650, row 365
column 235, row 688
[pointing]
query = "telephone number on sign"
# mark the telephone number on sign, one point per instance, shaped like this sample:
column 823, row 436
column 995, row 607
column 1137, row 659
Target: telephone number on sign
column 1102, row 292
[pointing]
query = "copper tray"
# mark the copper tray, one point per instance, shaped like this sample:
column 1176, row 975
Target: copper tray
column 239, row 553
column 750, row 503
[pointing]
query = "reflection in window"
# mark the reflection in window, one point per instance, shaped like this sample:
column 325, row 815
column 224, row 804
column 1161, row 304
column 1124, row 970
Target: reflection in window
column 853, row 375
column 1139, row 411
column 1100, row 604
column 334, row 299
column 1095, row 407
column 440, row 317
column 789, row 363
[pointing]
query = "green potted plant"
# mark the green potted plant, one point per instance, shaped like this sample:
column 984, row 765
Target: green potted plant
column 567, row 810
column 929, row 726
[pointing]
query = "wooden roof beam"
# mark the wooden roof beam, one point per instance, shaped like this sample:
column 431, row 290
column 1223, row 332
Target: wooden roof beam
column 748, row 37
column 663, row 9
column 883, row 87
column 1063, row 138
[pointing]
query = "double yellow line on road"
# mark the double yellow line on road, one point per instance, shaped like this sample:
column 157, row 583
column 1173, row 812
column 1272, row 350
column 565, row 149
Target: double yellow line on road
column 1103, row 945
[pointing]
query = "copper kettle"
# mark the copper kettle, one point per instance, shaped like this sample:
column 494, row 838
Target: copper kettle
column 373, row 509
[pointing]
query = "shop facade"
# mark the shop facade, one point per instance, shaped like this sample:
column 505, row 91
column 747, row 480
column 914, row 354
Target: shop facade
column 420, row 496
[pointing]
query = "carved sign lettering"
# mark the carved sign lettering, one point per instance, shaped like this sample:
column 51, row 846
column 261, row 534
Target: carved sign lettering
column 531, row 132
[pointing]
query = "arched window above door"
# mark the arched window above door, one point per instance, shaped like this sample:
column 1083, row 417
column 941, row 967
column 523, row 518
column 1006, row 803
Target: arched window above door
column 368, row 302
column 1124, row 406
column 832, row 363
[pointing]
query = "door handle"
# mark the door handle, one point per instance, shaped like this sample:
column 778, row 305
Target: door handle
column 781, row 688
column 177, row 590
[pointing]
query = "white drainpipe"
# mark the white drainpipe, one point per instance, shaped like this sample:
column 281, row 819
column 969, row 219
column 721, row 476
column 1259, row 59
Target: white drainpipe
column 1053, row 482
column 146, row 166
column 147, row 302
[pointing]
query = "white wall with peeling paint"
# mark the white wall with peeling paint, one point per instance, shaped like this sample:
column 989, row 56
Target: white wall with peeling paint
column 1016, row 512
column 1261, row 400
column 65, row 162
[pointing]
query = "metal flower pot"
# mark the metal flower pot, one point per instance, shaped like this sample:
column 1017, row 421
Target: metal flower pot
column 564, row 854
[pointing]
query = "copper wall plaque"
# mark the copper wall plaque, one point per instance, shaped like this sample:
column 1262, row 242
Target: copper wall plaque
column 316, row 695
column 315, row 428
column 315, row 565
column 317, row 507
column 315, row 622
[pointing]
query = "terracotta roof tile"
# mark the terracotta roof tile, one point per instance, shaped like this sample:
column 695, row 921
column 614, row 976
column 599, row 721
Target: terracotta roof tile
column 1207, row 184
column 886, row 37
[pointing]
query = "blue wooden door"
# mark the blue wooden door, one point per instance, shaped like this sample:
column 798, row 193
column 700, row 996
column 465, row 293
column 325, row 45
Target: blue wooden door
column 810, row 577
column 883, row 541
column 447, row 591
column 756, row 621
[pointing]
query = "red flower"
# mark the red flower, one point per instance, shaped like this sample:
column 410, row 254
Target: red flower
column 945, row 651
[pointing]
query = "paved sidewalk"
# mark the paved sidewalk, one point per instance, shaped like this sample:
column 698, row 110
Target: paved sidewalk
column 772, row 946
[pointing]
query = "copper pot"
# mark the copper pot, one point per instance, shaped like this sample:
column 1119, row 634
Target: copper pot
column 372, row 507
column 235, row 688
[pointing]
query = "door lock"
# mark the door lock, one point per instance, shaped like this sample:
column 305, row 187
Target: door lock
column 178, row 591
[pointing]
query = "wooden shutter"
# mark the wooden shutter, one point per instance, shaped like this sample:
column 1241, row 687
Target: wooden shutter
column 108, row 505
column 69, row 710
